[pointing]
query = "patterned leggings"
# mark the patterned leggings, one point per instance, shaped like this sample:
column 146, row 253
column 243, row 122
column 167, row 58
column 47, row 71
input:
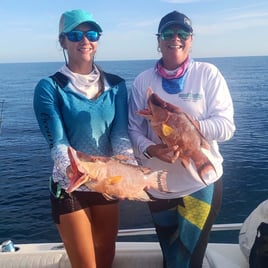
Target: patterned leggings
column 183, row 225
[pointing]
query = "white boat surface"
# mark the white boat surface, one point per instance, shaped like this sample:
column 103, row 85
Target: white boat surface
column 128, row 254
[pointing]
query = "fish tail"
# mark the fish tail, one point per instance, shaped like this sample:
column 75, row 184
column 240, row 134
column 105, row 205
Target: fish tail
column 206, row 170
column 200, row 165
column 162, row 180
column 156, row 180
column 185, row 162
column 203, row 170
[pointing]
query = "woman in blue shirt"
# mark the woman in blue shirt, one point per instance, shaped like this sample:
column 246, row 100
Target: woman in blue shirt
column 83, row 107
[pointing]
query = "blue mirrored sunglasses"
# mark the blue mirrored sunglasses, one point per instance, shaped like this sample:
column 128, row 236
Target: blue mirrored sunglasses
column 168, row 34
column 77, row 36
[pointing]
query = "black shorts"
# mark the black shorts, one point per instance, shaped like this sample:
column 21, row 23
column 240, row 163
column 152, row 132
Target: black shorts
column 67, row 203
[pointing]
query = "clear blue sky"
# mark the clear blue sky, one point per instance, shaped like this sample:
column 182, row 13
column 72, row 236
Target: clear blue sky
column 221, row 28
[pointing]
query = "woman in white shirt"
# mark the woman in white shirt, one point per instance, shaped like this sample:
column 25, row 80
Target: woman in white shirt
column 183, row 217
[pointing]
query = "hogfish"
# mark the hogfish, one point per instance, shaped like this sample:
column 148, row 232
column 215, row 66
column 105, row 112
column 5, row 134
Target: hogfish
column 175, row 127
column 113, row 177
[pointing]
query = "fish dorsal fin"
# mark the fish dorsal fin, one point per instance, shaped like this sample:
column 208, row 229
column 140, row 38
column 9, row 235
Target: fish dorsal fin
column 167, row 130
column 120, row 157
column 145, row 170
column 204, row 142
column 114, row 179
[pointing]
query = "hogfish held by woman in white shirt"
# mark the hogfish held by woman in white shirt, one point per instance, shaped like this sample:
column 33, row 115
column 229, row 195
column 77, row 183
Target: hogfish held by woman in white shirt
column 114, row 178
column 175, row 127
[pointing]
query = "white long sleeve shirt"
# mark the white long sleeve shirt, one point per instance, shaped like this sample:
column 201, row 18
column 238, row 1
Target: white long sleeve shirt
column 206, row 97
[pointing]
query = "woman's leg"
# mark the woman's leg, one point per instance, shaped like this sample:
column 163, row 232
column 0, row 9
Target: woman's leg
column 105, row 222
column 215, row 205
column 89, row 235
column 183, row 225
column 165, row 218
column 88, row 226
column 76, row 233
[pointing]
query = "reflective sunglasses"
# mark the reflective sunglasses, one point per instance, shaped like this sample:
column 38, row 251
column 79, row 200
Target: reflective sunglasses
column 77, row 36
column 168, row 34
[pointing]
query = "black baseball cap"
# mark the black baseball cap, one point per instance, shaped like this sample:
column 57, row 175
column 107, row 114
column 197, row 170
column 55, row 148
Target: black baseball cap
column 175, row 18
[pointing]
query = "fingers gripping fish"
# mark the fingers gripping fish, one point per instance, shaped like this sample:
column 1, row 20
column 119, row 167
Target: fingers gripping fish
column 175, row 127
column 114, row 178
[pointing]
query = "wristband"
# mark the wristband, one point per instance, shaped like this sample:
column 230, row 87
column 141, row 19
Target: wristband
column 146, row 154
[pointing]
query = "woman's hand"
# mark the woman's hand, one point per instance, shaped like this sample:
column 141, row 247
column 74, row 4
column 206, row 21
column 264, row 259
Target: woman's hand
column 163, row 152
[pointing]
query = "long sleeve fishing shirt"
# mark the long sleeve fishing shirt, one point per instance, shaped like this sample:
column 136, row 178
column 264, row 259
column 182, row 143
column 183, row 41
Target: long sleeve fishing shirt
column 206, row 97
column 93, row 126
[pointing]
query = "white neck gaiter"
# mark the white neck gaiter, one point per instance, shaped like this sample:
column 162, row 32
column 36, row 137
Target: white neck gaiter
column 86, row 84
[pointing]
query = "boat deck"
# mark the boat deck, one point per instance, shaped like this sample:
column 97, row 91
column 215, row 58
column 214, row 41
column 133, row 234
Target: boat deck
column 128, row 254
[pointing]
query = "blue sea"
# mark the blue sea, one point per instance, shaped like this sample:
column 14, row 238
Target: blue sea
column 25, row 163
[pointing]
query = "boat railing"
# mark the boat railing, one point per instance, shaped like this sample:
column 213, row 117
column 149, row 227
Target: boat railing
column 151, row 231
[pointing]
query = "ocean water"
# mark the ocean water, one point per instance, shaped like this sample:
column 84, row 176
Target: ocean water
column 25, row 163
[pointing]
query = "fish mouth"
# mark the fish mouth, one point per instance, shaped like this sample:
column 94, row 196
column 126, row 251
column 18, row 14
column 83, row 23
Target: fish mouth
column 155, row 106
column 76, row 183
column 79, row 175
column 152, row 99
column 153, row 102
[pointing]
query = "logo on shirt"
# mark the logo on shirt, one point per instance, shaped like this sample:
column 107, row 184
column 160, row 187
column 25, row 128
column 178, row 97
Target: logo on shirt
column 190, row 96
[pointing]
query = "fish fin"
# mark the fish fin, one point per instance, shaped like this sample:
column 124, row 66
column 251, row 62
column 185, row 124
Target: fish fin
column 191, row 167
column 144, row 112
column 204, row 172
column 92, row 158
column 167, row 130
column 185, row 162
column 145, row 115
column 145, row 170
column 143, row 196
column 108, row 197
column 114, row 180
column 120, row 157
column 125, row 160
column 173, row 109
column 204, row 142
column 149, row 92
column 191, row 120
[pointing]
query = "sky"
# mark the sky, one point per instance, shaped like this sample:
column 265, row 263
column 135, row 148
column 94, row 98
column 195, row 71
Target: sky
column 226, row 28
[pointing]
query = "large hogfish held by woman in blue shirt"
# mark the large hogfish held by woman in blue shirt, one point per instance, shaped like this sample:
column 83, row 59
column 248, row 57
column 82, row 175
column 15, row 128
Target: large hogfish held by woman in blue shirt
column 175, row 127
column 113, row 177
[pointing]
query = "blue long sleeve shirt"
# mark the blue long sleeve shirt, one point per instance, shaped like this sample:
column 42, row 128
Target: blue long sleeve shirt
column 93, row 126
